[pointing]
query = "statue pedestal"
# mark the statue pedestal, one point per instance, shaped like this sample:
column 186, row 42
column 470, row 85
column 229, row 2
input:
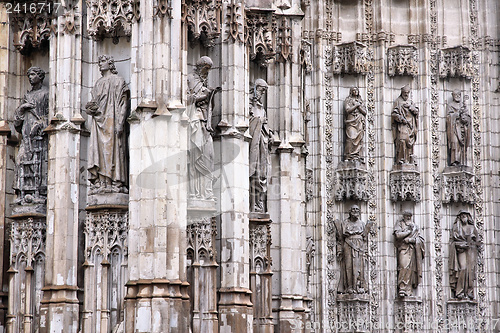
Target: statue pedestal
column 458, row 184
column 462, row 316
column 260, row 272
column 408, row 314
column 405, row 183
column 353, row 313
column 202, row 265
column 352, row 181
column 119, row 199
column 29, row 207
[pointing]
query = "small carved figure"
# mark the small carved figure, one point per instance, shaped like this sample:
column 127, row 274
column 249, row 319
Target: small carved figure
column 354, row 120
column 201, row 153
column 458, row 129
column 404, row 127
column 463, row 256
column 352, row 251
column 259, row 149
column 410, row 247
column 30, row 119
column 109, row 107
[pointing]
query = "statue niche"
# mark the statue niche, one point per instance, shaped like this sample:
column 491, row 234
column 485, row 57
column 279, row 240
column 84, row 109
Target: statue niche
column 30, row 119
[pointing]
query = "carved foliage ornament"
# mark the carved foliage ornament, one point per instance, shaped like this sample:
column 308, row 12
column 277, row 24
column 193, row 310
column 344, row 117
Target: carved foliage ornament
column 203, row 18
column 261, row 30
column 32, row 28
column 402, row 60
column 351, row 58
column 455, row 62
column 111, row 18
column 201, row 238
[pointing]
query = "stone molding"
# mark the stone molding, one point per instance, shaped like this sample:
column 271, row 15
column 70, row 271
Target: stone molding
column 402, row 60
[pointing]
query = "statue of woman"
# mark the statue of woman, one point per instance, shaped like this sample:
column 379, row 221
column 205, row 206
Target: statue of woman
column 354, row 120
column 410, row 246
column 463, row 256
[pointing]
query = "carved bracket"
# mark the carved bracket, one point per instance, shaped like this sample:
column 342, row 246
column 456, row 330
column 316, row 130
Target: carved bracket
column 260, row 36
column 409, row 314
column 111, row 18
column 462, row 314
column 402, row 60
column 32, row 29
column 104, row 232
column 351, row 58
column 27, row 240
column 353, row 313
column 455, row 62
column 405, row 185
column 201, row 234
column 352, row 182
column 458, row 186
column 203, row 18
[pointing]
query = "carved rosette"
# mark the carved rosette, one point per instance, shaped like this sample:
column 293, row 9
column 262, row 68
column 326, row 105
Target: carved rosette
column 351, row 58
column 458, row 187
column 203, row 20
column 27, row 241
column 201, row 239
column 455, row 62
column 462, row 316
column 111, row 18
column 405, row 185
column 353, row 315
column 352, row 184
column 408, row 315
column 402, row 60
column 260, row 31
column 32, row 29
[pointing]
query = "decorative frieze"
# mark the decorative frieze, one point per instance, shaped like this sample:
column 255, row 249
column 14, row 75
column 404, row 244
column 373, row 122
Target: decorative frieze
column 405, row 185
column 350, row 58
column 458, row 185
column 110, row 18
column 352, row 181
column 32, row 28
column 261, row 30
column 402, row 60
column 455, row 62
column 203, row 20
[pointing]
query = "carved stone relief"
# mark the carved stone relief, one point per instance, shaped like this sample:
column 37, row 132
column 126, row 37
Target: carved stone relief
column 350, row 58
column 27, row 266
column 30, row 119
column 259, row 156
column 458, row 185
column 455, row 62
column 201, row 152
column 462, row 316
column 107, row 157
column 408, row 315
column 32, row 29
column 107, row 18
column 106, row 256
column 410, row 254
column 353, row 315
column 352, row 181
column 405, row 185
column 203, row 20
column 260, row 30
column 402, row 60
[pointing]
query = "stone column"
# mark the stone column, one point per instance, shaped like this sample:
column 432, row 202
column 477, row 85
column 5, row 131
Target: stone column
column 60, row 308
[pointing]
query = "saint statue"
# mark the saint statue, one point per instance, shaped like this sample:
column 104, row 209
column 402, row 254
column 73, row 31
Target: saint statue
column 201, row 152
column 410, row 247
column 109, row 107
column 463, row 256
column 404, row 127
column 354, row 120
column 30, row 119
column 259, row 149
column 352, row 251
column 458, row 129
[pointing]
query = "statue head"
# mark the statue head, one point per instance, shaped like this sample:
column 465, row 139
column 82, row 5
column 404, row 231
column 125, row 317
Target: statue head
column 405, row 92
column 457, row 95
column 407, row 213
column 260, row 88
column 106, row 62
column 354, row 211
column 204, row 64
column 354, row 91
column 35, row 75
column 465, row 217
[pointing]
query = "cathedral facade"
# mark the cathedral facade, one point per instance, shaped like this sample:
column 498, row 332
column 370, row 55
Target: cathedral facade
column 256, row 166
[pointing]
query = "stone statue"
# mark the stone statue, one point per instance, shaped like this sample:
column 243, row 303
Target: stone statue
column 109, row 107
column 463, row 256
column 404, row 127
column 458, row 129
column 30, row 119
column 201, row 153
column 352, row 251
column 410, row 247
column 354, row 120
column 259, row 149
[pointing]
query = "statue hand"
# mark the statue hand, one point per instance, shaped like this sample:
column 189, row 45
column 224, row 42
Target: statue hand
column 25, row 106
column 118, row 131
